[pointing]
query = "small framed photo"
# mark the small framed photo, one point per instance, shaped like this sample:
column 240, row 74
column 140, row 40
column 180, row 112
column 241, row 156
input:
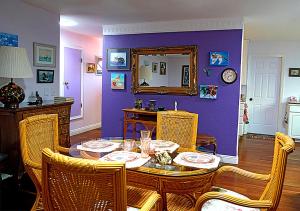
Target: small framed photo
column 219, row 58
column 117, row 80
column 294, row 72
column 163, row 68
column 154, row 67
column 185, row 77
column 208, row 91
column 91, row 67
column 44, row 55
column 45, row 76
column 118, row 59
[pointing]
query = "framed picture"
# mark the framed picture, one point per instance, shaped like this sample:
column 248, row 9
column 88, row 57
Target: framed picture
column 91, row 67
column 208, row 91
column 45, row 76
column 118, row 59
column 99, row 66
column 154, row 67
column 185, row 78
column 219, row 58
column 294, row 72
column 163, row 68
column 9, row 39
column 44, row 55
column 117, row 80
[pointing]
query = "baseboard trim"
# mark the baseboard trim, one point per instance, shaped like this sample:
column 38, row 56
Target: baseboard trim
column 85, row 129
column 229, row 159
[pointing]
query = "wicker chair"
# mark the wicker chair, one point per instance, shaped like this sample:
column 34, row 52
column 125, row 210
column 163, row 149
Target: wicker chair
column 179, row 127
column 36, row 133
column 270, row 197
column 81, row 184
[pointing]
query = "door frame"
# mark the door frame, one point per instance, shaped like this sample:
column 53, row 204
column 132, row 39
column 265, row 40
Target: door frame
column 281, row 83
column 62, row 76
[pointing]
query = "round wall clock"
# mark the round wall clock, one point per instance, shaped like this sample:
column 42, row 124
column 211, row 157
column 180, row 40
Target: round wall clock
column 229, row 75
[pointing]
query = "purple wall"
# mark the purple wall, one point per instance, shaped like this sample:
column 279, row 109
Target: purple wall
column 216, row 117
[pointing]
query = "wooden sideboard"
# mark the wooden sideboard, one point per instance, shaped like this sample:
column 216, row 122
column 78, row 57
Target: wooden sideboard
column 9, row 129
column 137, row 116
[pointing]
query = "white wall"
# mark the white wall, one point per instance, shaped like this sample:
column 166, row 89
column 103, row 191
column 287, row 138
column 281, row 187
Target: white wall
column 31, row 25
column 175, row 69
column 92, row 83
column 290, row 52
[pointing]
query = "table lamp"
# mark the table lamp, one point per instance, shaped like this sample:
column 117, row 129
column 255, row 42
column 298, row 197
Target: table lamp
column 14, row 63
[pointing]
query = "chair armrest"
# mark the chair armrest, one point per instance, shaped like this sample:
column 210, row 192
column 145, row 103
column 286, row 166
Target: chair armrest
column 63, row 150
column 242, row 172
column 151, row 201
column 33, row 164
column 231, row 199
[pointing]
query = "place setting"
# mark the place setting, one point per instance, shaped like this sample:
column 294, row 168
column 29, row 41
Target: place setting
column 98, row 145
column 197, row 160
column 131, row 159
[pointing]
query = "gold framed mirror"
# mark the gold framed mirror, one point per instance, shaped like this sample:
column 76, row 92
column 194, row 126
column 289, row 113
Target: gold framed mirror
column 165, row 70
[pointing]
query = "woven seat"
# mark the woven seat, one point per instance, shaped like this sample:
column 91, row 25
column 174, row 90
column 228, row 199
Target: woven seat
column 81, row 184
column 36, row 133
column 270, row 197
column 179, row 127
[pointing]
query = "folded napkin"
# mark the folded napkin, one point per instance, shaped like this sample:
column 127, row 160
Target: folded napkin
column 179, row 160
column 130, row 164
column 170, row 149
column 104, row 149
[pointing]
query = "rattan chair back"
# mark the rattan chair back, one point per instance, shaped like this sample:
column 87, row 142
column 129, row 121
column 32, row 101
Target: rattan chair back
column 81, row 184
column 284, row 145
column 36, row 133
column 179, row 127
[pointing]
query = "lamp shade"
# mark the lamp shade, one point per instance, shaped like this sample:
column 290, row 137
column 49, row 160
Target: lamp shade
column 14, row 63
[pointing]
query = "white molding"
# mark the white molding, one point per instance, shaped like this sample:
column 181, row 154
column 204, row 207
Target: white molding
column 229, row 159
column 85, row 129
column 174, row 26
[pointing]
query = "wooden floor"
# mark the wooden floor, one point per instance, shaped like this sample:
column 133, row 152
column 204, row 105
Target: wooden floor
column 255, row 155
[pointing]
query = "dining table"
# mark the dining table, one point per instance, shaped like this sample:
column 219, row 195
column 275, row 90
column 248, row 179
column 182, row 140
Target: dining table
column 152, row 175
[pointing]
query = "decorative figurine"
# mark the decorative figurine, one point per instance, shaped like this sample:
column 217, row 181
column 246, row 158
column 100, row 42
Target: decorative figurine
column 39, row 99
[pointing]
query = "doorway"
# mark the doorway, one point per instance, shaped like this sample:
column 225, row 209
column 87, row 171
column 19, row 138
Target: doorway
column 263, row 93
column 73, row 80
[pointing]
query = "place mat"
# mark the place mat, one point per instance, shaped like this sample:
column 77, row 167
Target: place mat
column 131, row 159
column 162, row 145
column 107, row 146
column 197, row 160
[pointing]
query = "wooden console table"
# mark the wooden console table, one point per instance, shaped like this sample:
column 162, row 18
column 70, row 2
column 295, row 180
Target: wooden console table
column 137, row 116
column 9, row 129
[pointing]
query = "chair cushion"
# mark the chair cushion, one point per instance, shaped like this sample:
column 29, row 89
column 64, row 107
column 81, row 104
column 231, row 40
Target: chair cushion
column 216, row 204
column 132, row 209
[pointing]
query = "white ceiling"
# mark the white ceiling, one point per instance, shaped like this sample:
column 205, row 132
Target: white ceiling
column 264, row 19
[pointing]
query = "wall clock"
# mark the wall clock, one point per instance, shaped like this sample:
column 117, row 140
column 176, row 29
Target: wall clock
column 229, row 75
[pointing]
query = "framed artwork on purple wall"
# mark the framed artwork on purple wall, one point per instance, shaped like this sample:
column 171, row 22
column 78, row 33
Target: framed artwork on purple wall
column 208, row 91
column 118, row 59
column 219, row 58
column 117, row 80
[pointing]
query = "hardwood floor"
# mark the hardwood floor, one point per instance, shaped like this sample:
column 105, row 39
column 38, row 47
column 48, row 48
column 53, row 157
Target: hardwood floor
column 255, row 155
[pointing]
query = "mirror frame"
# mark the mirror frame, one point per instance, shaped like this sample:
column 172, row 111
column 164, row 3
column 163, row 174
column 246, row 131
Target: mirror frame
column 190, row 90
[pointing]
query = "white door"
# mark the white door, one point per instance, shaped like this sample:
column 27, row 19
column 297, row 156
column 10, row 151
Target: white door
column 263, row 94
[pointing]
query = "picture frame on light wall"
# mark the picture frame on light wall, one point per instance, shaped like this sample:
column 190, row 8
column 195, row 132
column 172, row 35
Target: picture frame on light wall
column 45, row 76
column 44, row 55
column 294, row 72
column 185, row 76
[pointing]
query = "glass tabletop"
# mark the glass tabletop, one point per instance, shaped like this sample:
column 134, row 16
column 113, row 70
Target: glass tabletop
column 150, row 167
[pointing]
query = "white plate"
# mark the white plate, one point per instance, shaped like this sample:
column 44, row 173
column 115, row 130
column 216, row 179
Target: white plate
column 163, row 143
column 122, row 156
column 96, row 144
column 194, row 157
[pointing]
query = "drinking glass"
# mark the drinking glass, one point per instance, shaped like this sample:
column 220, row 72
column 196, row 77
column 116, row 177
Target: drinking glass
column 129, row 144
column 145, row 147
column 145, row 134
